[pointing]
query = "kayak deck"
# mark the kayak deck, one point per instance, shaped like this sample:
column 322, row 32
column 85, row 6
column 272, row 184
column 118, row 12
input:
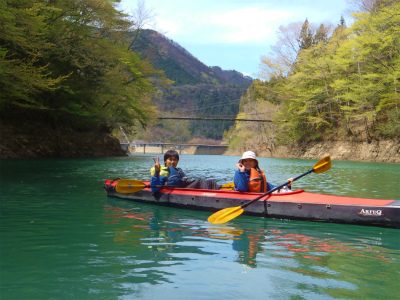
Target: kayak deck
column 296, row 205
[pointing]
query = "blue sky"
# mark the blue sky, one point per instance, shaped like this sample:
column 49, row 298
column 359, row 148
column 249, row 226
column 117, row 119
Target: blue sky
column 234, row 34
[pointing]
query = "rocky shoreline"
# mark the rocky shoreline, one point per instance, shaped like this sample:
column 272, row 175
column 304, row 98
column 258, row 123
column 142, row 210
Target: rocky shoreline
column 47, row 143
column 16, row 143
column 384, row 151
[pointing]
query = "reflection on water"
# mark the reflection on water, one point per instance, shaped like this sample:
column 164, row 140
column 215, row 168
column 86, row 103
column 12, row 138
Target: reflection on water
column 62, row 238
column 337, row 259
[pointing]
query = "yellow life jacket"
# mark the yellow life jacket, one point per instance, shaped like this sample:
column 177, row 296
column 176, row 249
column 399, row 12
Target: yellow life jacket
column 164, row 172
column 257, row 181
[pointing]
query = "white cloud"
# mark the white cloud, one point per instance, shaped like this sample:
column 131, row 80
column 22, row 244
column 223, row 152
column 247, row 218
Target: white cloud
column 169, row 28
column 233, row 34
column 239, row 26
column 248, row 24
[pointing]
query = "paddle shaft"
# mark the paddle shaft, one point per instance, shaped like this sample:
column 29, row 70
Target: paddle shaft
column 274, row 189
column 169, row 186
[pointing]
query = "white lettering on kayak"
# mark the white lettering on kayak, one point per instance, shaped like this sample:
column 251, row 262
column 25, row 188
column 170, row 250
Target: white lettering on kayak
column 209, row 194
column 370, row 212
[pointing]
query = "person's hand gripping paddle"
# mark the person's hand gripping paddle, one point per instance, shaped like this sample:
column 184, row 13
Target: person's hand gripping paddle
column 230, row 213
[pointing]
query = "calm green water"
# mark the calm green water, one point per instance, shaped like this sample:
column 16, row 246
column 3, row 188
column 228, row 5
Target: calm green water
column 62, row 238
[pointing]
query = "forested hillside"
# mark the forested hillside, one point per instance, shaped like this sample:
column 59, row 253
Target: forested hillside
column 66, row 68
column 73, row 67
column 198, row 90
column 203, row 100
column 75, row 72
column 338, row 83
column 181, row 66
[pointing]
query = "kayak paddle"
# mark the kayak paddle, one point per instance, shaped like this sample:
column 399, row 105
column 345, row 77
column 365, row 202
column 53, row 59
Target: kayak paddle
column 228, row 186
column 227, row 214
column 127, row 186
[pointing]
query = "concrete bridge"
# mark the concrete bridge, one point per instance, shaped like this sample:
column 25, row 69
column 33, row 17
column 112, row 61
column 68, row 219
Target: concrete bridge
column 199, row 149
column 161, row 148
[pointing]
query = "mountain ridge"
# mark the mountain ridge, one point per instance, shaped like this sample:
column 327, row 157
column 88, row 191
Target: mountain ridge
column 178, row 63
column 197, row 90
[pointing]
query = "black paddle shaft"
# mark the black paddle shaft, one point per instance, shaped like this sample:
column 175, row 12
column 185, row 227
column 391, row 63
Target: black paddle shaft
column 166, row 186
column 274, row 189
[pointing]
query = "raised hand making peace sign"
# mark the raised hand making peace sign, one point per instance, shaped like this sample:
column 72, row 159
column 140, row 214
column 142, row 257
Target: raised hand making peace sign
column 157, row 166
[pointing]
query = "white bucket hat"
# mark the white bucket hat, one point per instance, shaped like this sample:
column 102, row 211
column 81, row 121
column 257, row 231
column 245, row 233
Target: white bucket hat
column 249, row 154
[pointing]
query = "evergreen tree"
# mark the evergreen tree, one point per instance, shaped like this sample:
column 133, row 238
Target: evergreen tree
column 306, row 38
column 342, row 22
column 321, row 35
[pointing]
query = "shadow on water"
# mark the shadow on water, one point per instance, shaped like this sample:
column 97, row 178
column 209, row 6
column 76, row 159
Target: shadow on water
column 314, row 257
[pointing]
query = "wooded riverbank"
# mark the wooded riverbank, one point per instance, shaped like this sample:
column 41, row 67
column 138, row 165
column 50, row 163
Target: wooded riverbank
column 43, row 142
column 16, row 143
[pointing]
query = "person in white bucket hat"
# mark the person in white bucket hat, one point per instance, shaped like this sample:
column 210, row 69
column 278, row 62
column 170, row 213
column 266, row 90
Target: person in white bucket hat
column 250, row 178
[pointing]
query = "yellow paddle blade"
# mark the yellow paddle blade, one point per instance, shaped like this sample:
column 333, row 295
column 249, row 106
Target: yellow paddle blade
column 228, row 186
column 323, row 165
column 225, row 215
column 127, row 186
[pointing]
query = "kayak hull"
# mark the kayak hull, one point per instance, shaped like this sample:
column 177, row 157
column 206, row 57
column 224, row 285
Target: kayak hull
column 296, row 205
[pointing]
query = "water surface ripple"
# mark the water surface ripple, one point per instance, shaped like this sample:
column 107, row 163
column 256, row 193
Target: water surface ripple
column 62, row 238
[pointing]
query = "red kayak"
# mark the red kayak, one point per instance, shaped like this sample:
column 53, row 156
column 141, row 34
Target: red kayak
column 295, row 205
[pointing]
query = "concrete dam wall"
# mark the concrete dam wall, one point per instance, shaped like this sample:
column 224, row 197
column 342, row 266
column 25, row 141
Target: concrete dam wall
column 210, row 150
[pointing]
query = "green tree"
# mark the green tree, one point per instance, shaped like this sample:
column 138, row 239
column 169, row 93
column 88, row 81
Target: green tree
column 342, row 22
column 22, row 48
column 312, row 105
column 349, row 81
column 371, row 57
column 79, row 50
column 306, row 38
column 322, row 34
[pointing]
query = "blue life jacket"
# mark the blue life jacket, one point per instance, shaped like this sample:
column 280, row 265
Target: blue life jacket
column 175, row 176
